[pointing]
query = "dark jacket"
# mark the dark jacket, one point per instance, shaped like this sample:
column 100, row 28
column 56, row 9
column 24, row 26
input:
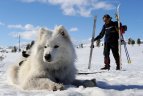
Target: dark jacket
column 110, row 32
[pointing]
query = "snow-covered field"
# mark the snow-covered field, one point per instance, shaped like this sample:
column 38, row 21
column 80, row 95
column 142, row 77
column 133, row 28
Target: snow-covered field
column 127, row 82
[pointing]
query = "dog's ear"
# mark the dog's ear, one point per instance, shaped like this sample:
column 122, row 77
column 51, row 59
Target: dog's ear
column 41, row 31
column 62, row 31
column 43, row 34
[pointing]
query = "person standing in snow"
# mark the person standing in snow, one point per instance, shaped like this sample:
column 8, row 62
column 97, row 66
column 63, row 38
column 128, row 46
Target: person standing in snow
column 110, row 30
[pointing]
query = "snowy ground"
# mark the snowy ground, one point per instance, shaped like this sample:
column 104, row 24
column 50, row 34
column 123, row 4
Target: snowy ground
column 128, row 82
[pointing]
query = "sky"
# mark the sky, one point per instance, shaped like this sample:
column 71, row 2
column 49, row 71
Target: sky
column 24, row 17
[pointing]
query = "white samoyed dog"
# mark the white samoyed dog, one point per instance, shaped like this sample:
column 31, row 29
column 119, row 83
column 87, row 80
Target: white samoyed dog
column 50, row 65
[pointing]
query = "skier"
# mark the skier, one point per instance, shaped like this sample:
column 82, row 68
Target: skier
column 110, row 30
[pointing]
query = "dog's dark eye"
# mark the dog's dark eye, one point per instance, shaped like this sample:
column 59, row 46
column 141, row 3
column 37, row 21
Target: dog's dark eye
column 45, row 46
column 56, row 46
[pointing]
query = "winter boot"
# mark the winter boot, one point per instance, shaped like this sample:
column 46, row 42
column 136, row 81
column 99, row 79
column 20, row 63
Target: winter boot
column 118, row 67
column 106, row 67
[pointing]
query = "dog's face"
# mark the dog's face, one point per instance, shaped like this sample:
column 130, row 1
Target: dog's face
column 58, row 47
column 51, row 51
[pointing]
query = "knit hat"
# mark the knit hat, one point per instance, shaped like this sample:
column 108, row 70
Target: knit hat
column 107, row 16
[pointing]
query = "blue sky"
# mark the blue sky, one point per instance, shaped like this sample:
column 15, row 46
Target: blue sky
column 25, row 16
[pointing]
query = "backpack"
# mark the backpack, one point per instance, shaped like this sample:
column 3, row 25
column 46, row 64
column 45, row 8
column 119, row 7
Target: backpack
column 123, row 28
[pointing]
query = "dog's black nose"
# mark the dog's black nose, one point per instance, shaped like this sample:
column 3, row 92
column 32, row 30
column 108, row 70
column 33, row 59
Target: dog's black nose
column 48, row 57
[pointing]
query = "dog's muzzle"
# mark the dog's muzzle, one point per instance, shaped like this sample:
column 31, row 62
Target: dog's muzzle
column 48, row 57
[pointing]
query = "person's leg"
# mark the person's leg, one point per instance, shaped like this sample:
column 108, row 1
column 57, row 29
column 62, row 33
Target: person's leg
column 106, row 53
column 115, row 51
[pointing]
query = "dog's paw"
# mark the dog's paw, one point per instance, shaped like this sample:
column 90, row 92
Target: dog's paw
column 56, row 87
column 89, row 83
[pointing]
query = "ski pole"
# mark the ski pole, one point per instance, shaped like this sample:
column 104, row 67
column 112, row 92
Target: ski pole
column 126, row 51
column 92, row 42
column 127, row 54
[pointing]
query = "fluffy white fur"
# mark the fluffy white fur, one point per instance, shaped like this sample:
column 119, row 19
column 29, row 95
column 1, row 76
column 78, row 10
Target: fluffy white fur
column 39, row 72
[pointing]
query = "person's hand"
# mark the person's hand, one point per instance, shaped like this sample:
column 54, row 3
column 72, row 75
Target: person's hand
column 92, row 46
column 92, row 40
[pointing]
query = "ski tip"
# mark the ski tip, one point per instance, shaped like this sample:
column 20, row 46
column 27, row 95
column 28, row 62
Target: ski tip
column 118, row 6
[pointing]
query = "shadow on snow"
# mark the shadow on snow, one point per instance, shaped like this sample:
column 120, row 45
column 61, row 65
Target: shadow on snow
column 105, row 85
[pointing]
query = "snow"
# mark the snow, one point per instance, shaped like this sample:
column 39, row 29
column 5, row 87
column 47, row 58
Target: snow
column 127, row 82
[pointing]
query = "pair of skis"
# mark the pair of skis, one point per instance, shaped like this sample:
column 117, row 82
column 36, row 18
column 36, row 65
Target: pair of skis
column 121, row 38
column 119, row 30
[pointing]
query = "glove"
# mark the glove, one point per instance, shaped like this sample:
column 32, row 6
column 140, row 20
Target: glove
column 95, row 39
column 92, row 46
column 92, row 40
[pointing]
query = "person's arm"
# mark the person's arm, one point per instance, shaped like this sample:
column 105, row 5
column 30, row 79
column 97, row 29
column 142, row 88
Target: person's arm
column 101, row 34
column 116, row 25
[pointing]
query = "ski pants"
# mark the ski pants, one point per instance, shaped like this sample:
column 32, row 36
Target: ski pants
column 115, row 51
